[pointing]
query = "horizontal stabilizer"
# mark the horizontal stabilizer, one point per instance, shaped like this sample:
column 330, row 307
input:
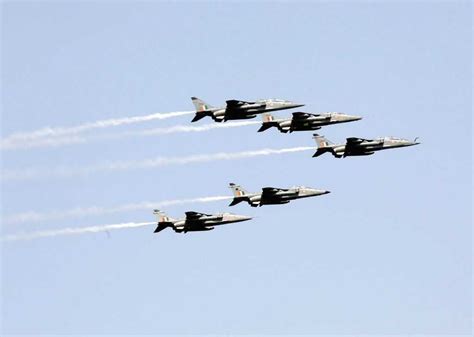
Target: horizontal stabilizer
column 320, row 152
column 267, row 125
column 236, row 201
column 160, row 227
column 199, row 116
column 323, row 150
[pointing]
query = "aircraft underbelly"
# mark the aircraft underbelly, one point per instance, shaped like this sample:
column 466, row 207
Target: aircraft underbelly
column 306, row 126
column 373, row 147
column 363, row 150
column 239, row 116
column 274, row 201
column 200, row 229
column 387, row 147
column 278, row 199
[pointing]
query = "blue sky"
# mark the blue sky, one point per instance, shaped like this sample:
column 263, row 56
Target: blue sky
column 389, row 251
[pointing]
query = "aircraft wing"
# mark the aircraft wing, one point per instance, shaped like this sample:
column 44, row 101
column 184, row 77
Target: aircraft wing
column 269, row 191
column 297, row 116
column 233, row 103
column 354, row 145
column 353, row 141
column 195, row 215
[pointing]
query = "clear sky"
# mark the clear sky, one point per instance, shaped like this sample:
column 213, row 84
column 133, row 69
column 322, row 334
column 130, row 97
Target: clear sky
column 389, row 251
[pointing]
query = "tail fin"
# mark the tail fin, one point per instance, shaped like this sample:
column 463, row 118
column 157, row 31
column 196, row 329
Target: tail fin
column 202, row 109
column 324, row 145
column 239, row 194
column 322, row 141
column 268, row 117
column 237, row 190
column 200, row 105
column 163, row 220
column 268, row 121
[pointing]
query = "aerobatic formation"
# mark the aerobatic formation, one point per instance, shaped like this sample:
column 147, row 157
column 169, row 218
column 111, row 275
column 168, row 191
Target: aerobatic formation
column 299, row 121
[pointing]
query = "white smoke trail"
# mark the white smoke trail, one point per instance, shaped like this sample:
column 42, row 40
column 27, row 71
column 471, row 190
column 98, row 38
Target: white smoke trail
column 41, row 142
column 24, row 138
column 73, row 231
column 86, row 211
column 74, row 139
column 149, row 163
column 187, row 128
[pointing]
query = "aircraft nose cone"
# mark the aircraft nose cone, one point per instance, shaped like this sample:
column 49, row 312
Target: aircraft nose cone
column 293, row 105
column 296, row 105
column 242, row 218
column 351, row 118
column 411, row 143
column 318, row 192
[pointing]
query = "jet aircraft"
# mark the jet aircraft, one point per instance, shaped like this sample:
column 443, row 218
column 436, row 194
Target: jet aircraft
column 303, row 121
column 236, row 109
column 195, row 222
column 272, row 195
column 359, row 146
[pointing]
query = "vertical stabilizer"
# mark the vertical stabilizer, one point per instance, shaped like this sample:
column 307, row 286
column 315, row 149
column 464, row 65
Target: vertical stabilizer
column 268, row 117
column 268, row 121
column 200, row 105
column 237, row 190
column 163, row 220
column 239, row 194
column 202, row 109
column 324, row 145
column 321, row 141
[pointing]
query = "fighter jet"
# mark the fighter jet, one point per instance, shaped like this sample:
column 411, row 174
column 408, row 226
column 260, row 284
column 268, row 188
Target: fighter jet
column 236, row 109
column 196, row 222
column 358, row 146
column 272, row 195
column 303, row 121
